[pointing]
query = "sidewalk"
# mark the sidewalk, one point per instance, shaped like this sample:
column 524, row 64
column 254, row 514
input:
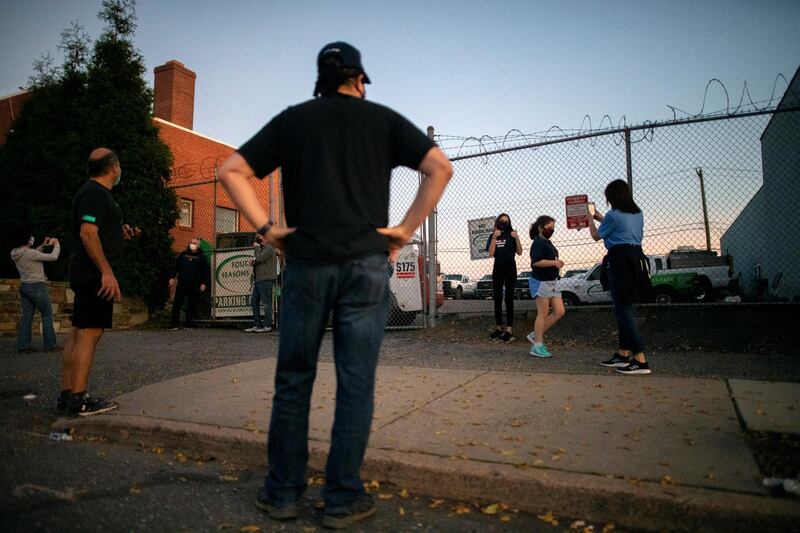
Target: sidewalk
column 647, row 452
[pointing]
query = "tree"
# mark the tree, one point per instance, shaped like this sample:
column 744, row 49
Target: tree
column 101, row 100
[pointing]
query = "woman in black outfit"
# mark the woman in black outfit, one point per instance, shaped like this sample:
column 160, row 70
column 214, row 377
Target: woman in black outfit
column 503, row 244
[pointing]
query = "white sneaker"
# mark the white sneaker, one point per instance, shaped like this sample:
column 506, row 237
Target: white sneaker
column 265, row 329
column 531, row 338
column 253, row 329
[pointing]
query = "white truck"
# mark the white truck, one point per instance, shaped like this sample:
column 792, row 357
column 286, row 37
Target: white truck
column 715, row 272
column 691, row 283
column 458, row 286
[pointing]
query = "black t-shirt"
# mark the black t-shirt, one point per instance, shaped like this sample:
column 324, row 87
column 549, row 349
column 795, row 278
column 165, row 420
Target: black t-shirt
column 543, row 249
column 94, row 204
column 336, row 155
column 505, row 248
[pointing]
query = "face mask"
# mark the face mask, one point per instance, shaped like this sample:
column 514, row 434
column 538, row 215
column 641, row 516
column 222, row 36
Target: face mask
column 547, row 232
column 502, row 225
column 193, row 247
column 119, row 178
column 31, row 241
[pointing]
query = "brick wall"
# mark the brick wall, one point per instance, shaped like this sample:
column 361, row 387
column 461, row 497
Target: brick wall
column 196, row 158
column 127, row 313
column 10, row 108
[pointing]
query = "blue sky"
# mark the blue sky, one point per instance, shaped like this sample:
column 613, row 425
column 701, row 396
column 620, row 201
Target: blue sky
column 466, row 67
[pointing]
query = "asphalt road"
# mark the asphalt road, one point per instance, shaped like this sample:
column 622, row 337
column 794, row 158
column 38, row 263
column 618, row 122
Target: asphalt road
column 96, row 486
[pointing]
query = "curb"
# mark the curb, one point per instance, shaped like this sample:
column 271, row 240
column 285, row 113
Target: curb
column 643, row 505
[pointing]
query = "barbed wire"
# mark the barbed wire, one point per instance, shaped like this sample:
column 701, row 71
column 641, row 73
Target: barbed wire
column 745, row 91
column 592, row 135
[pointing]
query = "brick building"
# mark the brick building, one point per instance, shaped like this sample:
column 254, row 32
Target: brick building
column 205, row 208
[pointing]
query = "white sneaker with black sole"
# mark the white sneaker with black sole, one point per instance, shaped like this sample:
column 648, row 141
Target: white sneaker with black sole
column 253, row 329
column 635, row 368
column 531, row 337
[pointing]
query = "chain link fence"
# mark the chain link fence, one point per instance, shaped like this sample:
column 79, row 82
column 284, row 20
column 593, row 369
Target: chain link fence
column 718, row 195
column 206, row 212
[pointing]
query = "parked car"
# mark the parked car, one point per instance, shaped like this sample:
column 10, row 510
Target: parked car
column 484, row 288
column 458, row 286
column 570, row 273
column 522, row 289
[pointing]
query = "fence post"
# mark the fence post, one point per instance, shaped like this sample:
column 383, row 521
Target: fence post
column 432, row 259
column 214, row 243
column 628, row 164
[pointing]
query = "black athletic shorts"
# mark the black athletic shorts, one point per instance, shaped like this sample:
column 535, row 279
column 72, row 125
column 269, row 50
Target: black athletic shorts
column 90, row 310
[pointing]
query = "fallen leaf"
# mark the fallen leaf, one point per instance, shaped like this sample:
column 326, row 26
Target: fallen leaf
column 250, row 529
column 435, row 503
column 373, row 485
column 228, row 478
column 404, row 493
column 461, row 509
column 491, row 509
column 608, row 528
column 401, row 511
column 667, row 480
column 505, row 518
column 384, row 496
column 577, row 524
column 319, row 505
column 158, row 451
column 135, row 489
column 181, row 457
column 549, row 518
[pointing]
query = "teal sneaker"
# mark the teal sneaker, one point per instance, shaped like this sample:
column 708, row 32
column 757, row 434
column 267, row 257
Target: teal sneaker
column 540, row 351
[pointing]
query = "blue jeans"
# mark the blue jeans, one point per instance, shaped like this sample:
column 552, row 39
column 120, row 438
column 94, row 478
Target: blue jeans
column 34, row 296
column 629, row 337
column 357, row 292
column 262, row 294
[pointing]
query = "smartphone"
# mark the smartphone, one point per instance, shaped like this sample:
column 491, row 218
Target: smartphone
column 591, row 208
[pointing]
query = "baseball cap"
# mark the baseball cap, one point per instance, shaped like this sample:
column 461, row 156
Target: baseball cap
column 348, row 54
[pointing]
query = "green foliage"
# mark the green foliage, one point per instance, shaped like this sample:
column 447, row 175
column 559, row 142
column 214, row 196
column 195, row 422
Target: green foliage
column 102, row 101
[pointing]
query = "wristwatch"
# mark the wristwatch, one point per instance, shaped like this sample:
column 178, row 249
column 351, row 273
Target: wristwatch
column 265, row 228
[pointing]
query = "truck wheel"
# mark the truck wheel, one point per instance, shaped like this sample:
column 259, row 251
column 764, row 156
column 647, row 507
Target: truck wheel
column 664, row 295
column 459, row 293
column 706, row 292
column 569, row 299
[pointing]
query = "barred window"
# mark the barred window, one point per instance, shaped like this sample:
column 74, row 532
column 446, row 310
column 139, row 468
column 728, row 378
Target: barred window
column 186, row 211
column 227, row 220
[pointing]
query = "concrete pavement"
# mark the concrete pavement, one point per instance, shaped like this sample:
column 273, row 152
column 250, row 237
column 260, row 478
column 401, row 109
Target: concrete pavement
column 653, row 452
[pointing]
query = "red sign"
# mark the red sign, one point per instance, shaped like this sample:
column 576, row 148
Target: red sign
column 577, row 211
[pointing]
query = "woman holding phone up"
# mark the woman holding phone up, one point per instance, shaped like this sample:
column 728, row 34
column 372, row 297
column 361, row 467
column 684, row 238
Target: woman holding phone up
column 622, row 229
column 503, row 244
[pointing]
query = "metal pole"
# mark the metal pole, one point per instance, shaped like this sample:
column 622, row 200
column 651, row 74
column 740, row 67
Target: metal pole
column 699, row 172
column 214, row 243
column 432, row 259
column 628, row 164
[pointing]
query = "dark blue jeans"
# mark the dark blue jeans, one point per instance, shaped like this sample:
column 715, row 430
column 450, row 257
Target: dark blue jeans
column 629, row 337
column 357, row 292
column 262, row 295
column 34, row 296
